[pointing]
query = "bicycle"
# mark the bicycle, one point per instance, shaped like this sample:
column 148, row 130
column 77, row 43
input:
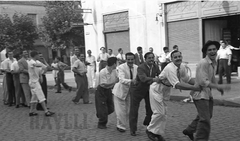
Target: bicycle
column 185, row 64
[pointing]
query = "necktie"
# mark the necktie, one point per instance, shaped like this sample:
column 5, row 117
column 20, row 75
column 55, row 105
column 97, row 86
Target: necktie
column 150, row 70
column 121, row 57
column 178, row 75
column 131, row 75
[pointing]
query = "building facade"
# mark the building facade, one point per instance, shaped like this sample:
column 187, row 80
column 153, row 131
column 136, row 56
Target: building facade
column 190, row 24
column 157, row 23
column 35, row 10
column 122, row 24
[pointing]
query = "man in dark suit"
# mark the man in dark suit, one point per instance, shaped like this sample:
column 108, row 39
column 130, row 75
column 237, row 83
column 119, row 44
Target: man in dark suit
column 146, row 75
column 24, row 76
column 139, row 56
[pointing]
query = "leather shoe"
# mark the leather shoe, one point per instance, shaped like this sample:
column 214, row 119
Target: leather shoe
column 17, row 106
column 186, row 133
column 152, row 136
column 102, row 126
column 133, row 133
column 58, row 92
column 70, row 89
column 120, row 130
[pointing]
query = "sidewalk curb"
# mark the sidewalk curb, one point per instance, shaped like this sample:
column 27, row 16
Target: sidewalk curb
column 217, row 102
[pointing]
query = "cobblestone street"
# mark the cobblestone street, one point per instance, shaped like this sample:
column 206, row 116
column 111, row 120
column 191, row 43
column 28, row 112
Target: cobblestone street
column 79, row 123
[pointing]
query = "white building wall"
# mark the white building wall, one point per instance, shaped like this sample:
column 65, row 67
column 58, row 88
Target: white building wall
column 144, row 30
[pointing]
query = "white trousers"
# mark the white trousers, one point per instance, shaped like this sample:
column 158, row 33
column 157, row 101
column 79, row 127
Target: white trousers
column 159, row 108
column 91, row 76
column 122, row 109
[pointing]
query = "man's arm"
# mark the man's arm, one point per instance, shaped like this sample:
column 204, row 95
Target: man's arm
column 74, row 68
column 144, row 78
column 103, row 81
column 229, row 59
column 121, row 76
column 21, row 68
column 173, row 79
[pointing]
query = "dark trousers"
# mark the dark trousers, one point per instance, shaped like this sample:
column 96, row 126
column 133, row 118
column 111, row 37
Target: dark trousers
column 224, row 68
column 18, row 90
column 10, row 87
column 60, row 80
column 104, row 104
column 201, row 124
column 102, row 65
column 82, row 88
column 163, row 65
column 135, row 98
column 44, row 89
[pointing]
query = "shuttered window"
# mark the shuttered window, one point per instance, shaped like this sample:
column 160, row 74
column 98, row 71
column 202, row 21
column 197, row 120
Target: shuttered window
column 185, row 34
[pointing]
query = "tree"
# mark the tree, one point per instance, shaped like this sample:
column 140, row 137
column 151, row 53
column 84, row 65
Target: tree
column 18, row 33
column 57, row 23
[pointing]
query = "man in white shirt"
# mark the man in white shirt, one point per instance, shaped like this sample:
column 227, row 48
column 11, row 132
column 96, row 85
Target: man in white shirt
column 18, row 89
column 175, row 75
column 54, row 70
column 35, row 77
column 110, row 53
column 5, row 88
column 60, row 75
column 103, row 94
column 224, row 55
column 80, row 71
column 228, row 46
column 91, row 69
column 102, row 58
column 127, row 75
column 163, row 58
column 121, row 57
column 74, row 57
column 9, row 79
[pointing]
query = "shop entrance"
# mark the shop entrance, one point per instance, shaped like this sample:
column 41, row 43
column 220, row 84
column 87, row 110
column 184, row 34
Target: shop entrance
column 227, row 28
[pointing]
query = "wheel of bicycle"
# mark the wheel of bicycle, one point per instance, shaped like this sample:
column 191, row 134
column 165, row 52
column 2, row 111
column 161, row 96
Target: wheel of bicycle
column 189, row 71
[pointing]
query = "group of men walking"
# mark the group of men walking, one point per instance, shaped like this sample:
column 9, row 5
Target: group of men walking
column 131, row 82
column 24, row 81
column 123, row 82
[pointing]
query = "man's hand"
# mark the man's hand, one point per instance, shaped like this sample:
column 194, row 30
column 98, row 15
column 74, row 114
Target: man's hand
column 223, row 87
column 156, row 80
column 134, row 82
column 229, row 63
column 41, row 79
column 197, row 88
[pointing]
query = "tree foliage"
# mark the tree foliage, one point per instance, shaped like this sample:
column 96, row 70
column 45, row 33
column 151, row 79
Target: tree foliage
column 18, row 33
column 57, row 25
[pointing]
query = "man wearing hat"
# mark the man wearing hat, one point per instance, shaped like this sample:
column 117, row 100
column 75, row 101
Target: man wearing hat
column 205, row 78
column 102, row 58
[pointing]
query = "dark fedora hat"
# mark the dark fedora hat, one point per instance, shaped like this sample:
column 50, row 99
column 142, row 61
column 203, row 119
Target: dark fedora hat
column 208, row 43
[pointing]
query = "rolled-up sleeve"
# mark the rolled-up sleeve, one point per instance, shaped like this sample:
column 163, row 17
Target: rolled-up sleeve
column 172, row 76
column 202, row 74
column 102, row 78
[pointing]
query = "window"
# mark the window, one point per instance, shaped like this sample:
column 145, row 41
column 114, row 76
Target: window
column 34, row 18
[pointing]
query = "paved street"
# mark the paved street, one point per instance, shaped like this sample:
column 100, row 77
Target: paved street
column 78, row 123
